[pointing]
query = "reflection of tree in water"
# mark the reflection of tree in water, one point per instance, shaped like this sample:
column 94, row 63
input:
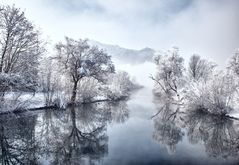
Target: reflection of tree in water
column 17, row 140
column 86, row 140
column 166, row 130
column 80, row 145
column 218, row 134
column 74, row 136
column 118, row 112
column 48, row 129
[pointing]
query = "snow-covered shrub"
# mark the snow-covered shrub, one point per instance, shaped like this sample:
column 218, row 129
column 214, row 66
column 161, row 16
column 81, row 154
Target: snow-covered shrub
column 12, row 85
column 87, row 90
column 214, row 96
column 120, row 85
column 14, row 82
column 16, row 101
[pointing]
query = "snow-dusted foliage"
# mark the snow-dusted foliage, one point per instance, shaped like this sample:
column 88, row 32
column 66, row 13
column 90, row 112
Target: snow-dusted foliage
column 88, row 90
column 120, row 85
column 216, row 95
column 20, row 45
column 79, row 60
column 200, row 69
column 11, row 91
column 170, row 68
column 16, row 101
column 51, row 83
column 234, row 64
column 82, row 74
column 13, row 82
column 203, row 89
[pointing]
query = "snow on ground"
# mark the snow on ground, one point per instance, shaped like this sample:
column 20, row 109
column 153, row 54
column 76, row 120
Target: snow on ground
column 234, row 114
column 24, row 100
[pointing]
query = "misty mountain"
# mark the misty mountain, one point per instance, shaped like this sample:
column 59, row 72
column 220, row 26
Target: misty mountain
column 125, row 55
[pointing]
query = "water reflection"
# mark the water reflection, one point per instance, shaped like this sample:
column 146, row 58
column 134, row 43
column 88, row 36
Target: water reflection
column 166, row 129
column 82, row 144
column 119, row 112
column 77, row 135
column 18, row 145
column 219, row 135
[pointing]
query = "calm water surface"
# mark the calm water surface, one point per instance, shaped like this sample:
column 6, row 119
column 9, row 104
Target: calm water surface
column 137, row 131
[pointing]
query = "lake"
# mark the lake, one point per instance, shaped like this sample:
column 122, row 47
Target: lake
column 138, row 131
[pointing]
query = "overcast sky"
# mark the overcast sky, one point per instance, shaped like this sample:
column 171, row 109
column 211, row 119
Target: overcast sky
column 206, row 27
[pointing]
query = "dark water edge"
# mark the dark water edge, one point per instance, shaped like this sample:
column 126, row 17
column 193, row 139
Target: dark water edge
column 118, row 133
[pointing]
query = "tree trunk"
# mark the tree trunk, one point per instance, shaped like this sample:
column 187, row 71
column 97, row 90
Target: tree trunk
column 4, row 53
column 1, row 64
column 73, row 96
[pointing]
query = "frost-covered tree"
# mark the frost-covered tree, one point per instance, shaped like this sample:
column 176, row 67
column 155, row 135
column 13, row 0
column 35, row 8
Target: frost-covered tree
column 80, row 60
column 234, row 64
column 20, row 46
column 170, row 70
column 200, row 69
column 50, row 81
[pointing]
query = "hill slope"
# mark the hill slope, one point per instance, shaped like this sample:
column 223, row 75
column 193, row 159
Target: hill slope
column 124, row 55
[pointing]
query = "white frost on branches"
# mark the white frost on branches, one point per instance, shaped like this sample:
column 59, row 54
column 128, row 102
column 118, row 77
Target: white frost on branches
column 170, row 67
column 217, row 95
column 203, row 88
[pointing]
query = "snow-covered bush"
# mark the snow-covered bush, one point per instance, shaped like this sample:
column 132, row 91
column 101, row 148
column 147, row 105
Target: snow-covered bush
column 87, row 90
column 14, row 82
column 120, row 85
column 214, row 96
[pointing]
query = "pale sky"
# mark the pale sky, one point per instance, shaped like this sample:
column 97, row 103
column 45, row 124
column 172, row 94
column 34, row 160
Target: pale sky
column 206, row 27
